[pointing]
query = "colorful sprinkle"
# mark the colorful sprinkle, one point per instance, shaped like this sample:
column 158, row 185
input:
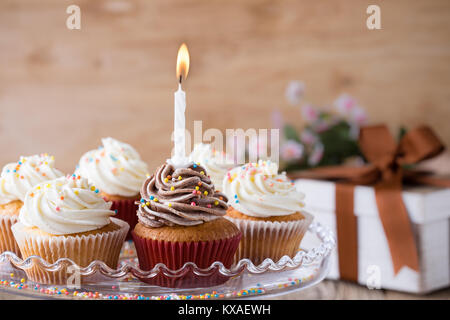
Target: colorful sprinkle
column 259, row 289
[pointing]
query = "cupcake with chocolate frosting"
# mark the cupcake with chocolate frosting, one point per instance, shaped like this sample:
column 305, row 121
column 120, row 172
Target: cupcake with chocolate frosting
column 181, row 220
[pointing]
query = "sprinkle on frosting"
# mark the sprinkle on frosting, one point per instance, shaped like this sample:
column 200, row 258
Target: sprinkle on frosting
column 65, row 205
column 115, row 168
column 17, row 178
column 168, row 200
column 216, row 164
column 257, row 189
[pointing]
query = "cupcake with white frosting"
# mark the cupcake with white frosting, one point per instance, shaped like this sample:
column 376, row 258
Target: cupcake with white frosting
column 117, row 170
column 216, row 164
column 15, row 181
column 268, row 210
column 67, row 218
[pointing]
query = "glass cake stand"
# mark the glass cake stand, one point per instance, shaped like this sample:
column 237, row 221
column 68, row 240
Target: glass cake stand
column 245, row 280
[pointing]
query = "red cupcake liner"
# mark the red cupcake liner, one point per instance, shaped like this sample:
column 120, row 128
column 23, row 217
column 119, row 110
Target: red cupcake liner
column 175, row 254
column 126, row 211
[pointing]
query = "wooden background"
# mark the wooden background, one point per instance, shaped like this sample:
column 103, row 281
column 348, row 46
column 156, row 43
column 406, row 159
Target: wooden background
column 62, row 90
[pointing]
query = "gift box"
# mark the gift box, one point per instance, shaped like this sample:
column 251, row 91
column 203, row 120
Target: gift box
column 391, row 220
column 429, row 212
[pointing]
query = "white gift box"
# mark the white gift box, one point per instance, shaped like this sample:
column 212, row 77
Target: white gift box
column 429, row 211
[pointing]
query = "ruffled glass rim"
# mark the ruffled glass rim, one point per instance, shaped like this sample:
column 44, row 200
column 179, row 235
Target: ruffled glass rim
column 315, row 255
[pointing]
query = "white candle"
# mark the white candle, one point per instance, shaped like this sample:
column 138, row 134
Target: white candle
column 179, row 138
column 179, row 158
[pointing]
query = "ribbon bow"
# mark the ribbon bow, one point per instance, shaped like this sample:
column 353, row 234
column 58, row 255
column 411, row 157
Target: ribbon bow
column 385, row 172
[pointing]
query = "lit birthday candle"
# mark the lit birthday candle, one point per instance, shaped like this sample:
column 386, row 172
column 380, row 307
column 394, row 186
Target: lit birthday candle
column 179, row 158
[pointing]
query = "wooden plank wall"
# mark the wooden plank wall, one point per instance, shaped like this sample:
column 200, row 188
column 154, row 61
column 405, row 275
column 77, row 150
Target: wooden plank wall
column 62, row 90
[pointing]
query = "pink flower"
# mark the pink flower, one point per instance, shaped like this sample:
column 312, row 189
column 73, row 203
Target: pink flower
column 344, row 104
column 349, row 108
column 308, row 137
column 322, row 125
column 291, row 150
column 316, row 154
column 277, row 119
column 359, row 115
column 309, row 113
column 294, row 92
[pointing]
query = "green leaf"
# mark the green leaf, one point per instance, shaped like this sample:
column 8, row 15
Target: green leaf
column 338, row 144
column 291, row 133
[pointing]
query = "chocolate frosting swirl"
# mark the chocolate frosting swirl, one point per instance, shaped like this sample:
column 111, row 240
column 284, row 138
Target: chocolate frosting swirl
column 180, row 196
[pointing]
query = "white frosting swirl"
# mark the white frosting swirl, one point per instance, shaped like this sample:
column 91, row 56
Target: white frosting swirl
column 64, row 206
column 17, row 178
column 216, row 164
column 115, row 168
column 256, row 189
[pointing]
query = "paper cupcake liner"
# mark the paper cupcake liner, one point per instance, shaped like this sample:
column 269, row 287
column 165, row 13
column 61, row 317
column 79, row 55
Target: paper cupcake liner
column 126, row 211
column 175, row 254
column 267, row 239
column 7, row 241
column 82, row 250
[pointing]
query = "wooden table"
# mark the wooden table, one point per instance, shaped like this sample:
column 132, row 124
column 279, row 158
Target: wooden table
column 330, row 290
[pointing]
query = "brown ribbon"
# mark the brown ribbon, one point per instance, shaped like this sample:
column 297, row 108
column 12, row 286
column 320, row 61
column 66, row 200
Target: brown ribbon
column 385, row 172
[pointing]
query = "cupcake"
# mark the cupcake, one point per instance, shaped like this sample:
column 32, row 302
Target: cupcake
column 67, row 218
column 216, row 164
column 181, row 220
column 268, row 210
column 15, row 180
column 118, row 171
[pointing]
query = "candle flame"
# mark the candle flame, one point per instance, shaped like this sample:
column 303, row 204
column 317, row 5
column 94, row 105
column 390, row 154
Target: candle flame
column 182, row 62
